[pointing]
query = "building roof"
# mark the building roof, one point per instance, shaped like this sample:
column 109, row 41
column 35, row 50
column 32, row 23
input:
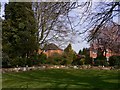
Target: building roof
column 51, row 46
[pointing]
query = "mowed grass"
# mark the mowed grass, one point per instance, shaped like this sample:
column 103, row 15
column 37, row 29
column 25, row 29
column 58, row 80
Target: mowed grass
column 62, row 78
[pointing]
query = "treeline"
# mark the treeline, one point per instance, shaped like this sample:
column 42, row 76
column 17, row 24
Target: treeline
column 102, row 60
column 22, row 36
column 27, row 26
column 24, row 31
column 68, row 57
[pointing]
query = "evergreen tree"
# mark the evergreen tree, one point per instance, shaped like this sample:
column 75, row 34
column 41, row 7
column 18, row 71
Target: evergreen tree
column 19, row 31
column 86, row 53
column 68, row 49
column 70, row 54
column 101, row 59
column 80, row 51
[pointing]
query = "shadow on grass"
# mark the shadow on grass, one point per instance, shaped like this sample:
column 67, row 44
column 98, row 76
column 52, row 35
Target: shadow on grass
column 63, row 79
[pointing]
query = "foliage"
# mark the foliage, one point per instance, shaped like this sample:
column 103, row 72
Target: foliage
column 61, row 59
column 100, row 62
column 55, row 59
column 37, row 59
column 18, row 61
column 76, row 61
column 82, row 61
column 86, row 53
column 19, row 32
column 101, row 59
column 68, row 48
column 5, row 60
column 80, row 52
column 42, row 59
column 114, row 61
column 70, row 54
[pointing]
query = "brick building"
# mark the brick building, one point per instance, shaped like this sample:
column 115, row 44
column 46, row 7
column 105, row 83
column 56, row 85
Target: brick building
column 51, row 49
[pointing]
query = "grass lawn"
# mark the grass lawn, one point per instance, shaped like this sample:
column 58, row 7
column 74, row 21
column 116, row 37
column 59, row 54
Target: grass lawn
column 62, row 78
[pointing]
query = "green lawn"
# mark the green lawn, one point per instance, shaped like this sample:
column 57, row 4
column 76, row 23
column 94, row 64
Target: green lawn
column 62, row 78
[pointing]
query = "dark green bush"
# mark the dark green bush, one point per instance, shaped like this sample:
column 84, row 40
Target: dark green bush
column 34, row 59
column 64, row 59
column 82, row 61
column 101, row 59
column 100, row 62
column 76, row 61
column 114, row 61
column 5, row 61
column 55, row 59
column 38, row 59
column 88, row 59
column 43, row 59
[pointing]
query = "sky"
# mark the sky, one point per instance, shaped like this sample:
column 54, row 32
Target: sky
column 76, row 45
column 80, row 43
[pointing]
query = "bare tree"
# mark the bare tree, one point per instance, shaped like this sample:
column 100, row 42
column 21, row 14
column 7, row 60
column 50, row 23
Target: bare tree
column 102, row 14
column 108, row 38
column 52, row 20
column 99, row 20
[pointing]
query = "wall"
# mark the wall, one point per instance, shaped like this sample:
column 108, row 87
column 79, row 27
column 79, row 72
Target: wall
column 51, row 52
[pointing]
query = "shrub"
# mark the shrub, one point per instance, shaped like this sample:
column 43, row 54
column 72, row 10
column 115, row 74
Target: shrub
column 114, row 61
column 34, row 59
column 99, row 62
column 55, row 59
column 43, row 58
column 88, row 59
column 76, row 61
column 82, row 61
column 5, row 61
column 64, row 59
column 38, row 59
column 17, row 61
